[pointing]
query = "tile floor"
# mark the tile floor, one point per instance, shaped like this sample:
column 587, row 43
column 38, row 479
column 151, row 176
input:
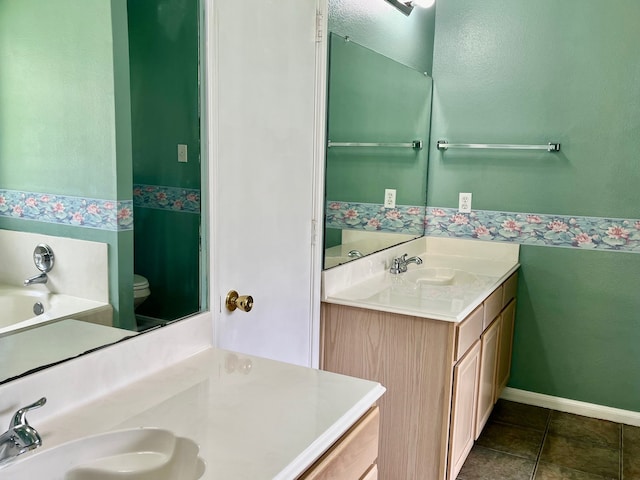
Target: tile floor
column 523, row 442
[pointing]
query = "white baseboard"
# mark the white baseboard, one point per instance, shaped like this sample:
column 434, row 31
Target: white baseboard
column 617, row 415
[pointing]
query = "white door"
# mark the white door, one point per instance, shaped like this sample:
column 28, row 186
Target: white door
column 266, row 99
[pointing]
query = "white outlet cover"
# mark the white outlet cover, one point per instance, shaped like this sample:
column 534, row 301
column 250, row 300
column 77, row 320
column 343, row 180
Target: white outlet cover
column 389, row 198
column 464, row 202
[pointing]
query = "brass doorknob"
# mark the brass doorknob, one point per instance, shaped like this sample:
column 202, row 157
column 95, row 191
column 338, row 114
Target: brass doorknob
column 242, row 302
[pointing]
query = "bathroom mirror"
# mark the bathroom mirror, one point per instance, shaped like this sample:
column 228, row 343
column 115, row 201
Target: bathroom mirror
column 100, row 133
column 379, row 114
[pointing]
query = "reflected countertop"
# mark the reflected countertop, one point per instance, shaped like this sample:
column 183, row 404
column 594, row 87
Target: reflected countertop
column 53, row 342
column 252, row 418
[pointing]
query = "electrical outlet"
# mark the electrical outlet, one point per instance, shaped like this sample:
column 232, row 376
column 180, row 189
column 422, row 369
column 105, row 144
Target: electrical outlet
column 464, row 202
column 182, row 153
column 389, row 198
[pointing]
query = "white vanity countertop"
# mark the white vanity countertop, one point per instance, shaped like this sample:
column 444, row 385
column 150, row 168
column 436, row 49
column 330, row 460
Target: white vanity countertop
column 480, row 268
column 451, row 303
column 252, row 418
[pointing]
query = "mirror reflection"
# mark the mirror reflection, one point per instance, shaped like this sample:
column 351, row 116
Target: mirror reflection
column 165, row 127
column 379, row 114
column 100, row 160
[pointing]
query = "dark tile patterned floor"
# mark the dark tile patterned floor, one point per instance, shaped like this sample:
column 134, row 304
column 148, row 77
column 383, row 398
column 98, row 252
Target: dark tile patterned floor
column 523, row 442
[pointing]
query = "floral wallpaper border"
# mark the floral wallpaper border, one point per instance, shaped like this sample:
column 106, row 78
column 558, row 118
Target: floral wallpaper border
column 115, row 215
column 569, row 231
column 373, row 217
column 186, row 200
column 597, row 233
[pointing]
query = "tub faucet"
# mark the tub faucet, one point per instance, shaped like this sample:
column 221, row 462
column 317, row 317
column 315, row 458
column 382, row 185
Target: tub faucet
column 399, row 264
column 43, row 259
column 40, row 278
column 20, row 437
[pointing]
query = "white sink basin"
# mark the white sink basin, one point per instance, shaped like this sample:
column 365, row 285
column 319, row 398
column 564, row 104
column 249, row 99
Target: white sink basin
column 136, row 454
column 454, row 277
column 414, row 280
column 434, row 292
column 439, row 291
column 432, row 275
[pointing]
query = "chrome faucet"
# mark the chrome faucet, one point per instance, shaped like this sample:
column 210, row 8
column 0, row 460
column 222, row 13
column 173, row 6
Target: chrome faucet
column 43, row 258
column 354, row 254
column 40, row 278
column 399, row 264
column 20, row 437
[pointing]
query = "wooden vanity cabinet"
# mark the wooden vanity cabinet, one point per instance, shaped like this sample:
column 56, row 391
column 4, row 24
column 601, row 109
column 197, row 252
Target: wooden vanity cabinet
column 353, row 456
column 442, row 378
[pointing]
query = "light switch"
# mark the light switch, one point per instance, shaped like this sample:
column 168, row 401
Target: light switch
column 182, row 153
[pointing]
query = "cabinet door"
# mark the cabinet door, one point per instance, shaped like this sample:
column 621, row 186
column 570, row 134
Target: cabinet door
column 371, row 474
column 504, row 350
column 463, row 409
column 488, row 368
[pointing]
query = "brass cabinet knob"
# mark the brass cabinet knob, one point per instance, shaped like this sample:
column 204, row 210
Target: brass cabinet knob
column 242, row 302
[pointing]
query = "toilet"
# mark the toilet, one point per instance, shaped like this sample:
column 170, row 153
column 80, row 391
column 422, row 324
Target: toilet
column 140, row 290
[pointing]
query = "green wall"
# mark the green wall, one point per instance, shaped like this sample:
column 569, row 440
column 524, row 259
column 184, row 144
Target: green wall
column 164, row 45
column 533, row 72
column 63, row 86
column 57, row 96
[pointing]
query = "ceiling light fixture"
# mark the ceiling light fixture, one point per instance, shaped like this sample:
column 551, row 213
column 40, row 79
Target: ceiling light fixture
column 407, row 7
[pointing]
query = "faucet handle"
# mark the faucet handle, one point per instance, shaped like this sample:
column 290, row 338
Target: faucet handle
column 396, row 266
column 26, row 437
column 20, row 417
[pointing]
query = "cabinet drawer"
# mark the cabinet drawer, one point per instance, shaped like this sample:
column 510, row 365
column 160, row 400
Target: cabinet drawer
column 469, row 331
column 510, row 287
column 492, row 307
column 352, row 456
